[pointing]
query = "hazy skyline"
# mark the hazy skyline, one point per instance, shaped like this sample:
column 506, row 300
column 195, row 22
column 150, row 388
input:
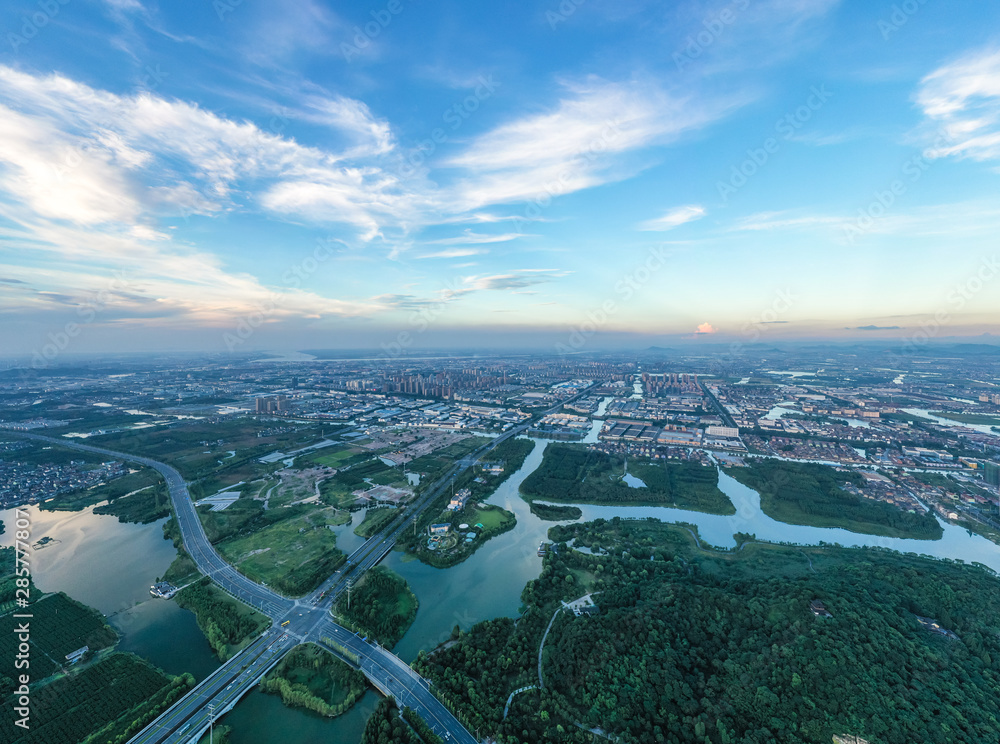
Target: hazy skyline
column 297, row 175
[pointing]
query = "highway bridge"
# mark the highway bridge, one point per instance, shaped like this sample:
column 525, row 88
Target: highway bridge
column 294, row 621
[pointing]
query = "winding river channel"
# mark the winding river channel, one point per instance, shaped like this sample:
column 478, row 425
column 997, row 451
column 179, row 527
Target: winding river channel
column 110, row 566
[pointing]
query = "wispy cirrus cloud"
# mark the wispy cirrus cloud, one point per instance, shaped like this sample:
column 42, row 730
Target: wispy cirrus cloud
column 349, row 115
column 473, row 238
column 518, row 279
column 974, row 217
column 579, row 143
column 962, row 99
column 673, row 218
column 454, row 253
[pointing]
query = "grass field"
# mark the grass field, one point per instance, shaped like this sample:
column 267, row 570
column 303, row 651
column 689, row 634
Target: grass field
column 200, row 449
column 493, row 518
column 337, row 457
column 293, row 555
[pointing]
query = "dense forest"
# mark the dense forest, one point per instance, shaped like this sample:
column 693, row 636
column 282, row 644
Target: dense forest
column 143, row 507
column 807, row 493
column 554, row 512
column 723, row 647
column 385, row 726
column 312, row 678
column 226, row 623
column 574, row 473
column 381, row 606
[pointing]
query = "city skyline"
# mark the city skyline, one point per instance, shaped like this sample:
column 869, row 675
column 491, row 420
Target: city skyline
column 580, row 174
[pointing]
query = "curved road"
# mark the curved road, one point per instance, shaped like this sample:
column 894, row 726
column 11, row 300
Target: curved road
column 296, row 621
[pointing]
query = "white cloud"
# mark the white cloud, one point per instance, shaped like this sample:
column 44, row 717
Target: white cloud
column 576, row 145
column 970, row 218
column 155, row 280
column 63, row 176
column 473, row 238
column 515, row 280
column 124, row 4
column 962, row 98
column 455, row 253
column 354, row 117
column 135, row 149
column 674, row 218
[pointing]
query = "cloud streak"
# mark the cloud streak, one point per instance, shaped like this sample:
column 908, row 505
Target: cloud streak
column 673, row 218
column 962, row 99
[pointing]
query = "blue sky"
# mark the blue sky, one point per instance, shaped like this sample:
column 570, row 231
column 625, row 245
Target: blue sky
column 261, row 175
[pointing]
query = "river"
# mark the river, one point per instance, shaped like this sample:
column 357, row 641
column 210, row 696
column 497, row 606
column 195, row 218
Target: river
column 110, row 566
column 981, row 428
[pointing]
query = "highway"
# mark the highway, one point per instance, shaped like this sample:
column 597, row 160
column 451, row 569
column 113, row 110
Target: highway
column 294, row 621
column 190, row 716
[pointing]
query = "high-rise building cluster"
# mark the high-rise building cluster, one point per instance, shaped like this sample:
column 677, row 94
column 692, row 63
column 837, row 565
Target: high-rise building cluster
column 273, row 404
column 670, row 383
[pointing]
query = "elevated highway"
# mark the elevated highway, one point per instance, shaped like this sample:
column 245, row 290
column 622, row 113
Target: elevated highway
column 295, row 621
